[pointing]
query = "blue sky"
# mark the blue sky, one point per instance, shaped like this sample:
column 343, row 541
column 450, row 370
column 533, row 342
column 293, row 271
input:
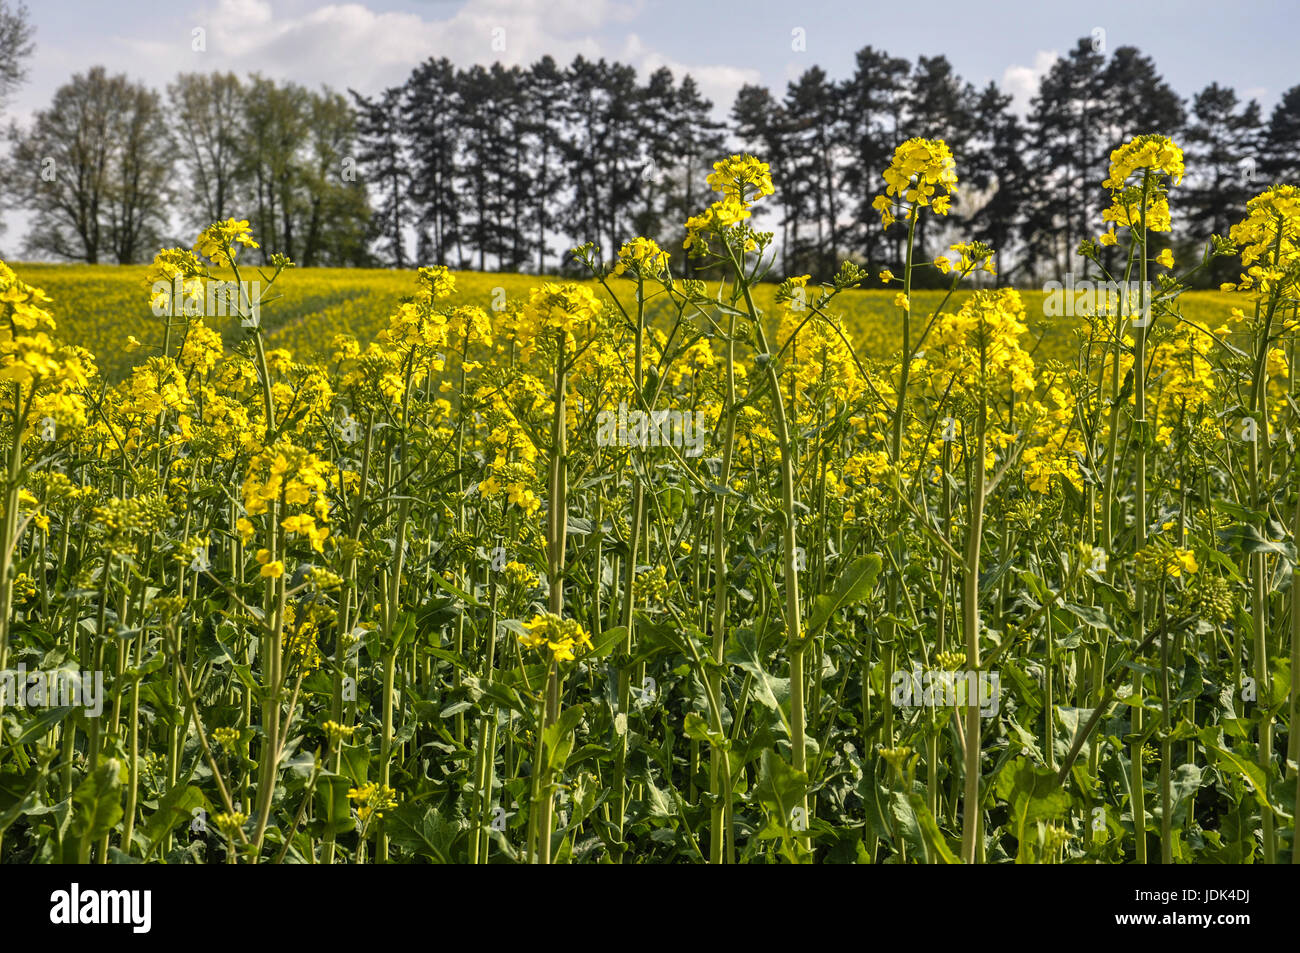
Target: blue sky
column 374, row 43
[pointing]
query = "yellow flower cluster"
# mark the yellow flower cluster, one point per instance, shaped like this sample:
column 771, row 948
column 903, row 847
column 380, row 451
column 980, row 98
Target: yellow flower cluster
column 469, row 325
column 558, row 308
column 1157, row 560
column 220, row 242
column 30, row 357
column 201, row 349
column 825, row 372
column 1057, row 444
column 303, row 627
column 436, row 282
column 742, row 180
column 228, row 824
column 1185, row 372
column 982, row 342
column 971, row 256
column 517, row 574
column 337, row 733
column 516, row 482
column 416, row 325
column 922, row 173
column 1143, row 154
column 642, row 258
column 1150, row 160
column 560, row 636
column 1269, row 238
column 372, row 798
column 286, row 472
column 715, row 219
column 741, row 177
column 181, row 275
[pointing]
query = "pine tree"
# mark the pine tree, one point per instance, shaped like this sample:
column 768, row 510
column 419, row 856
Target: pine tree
column 1069, row 143
column 431, row 123
column 543, row 128
column 1221, row 143
column 997, row 167
column 760, row 123
column 1281, row 144
column 873, row 113
column 384, row 165
column 813, row 130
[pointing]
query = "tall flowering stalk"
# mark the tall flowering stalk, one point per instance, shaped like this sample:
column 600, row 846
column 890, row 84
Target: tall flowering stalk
column 642, row 261
column 921, row 175
column 41, row 389
column 1269, row 239
column 742, row 180
column 1140, row 171
column 553, row 313
column 40, row 384
column 983, row 359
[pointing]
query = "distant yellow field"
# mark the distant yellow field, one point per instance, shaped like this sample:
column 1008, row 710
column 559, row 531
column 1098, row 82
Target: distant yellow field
column 100, row 306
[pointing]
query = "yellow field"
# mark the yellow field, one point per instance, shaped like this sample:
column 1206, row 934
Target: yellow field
column 99, row 306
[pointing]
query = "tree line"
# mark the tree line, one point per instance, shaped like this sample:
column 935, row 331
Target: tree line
column 112, row 166
column 505, row 167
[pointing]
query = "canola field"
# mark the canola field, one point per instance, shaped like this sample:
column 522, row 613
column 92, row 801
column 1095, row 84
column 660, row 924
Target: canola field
column 100, row 306
column 432, row 567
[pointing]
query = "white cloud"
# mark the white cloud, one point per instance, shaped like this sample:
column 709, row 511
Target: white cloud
column 1021, row 82
column 352, row 45
column 717, row 83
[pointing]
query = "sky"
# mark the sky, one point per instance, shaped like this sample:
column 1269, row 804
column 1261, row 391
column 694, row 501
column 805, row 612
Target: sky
column 368, row 45
column 374, row 44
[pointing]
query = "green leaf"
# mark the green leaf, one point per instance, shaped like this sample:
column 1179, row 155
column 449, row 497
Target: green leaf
column 744, row 652
column 1032, row 794
column 657, row 803
column 1247, row 538
column 25, row 802
column 455, row 708
column 780, row 787
column 577, row 526
column 930, row 829
column 1249, row 771
column 655, row 637
column 698, row 729
column 39, row 726
column 606, row 642
column 97, row 802
column 855, row 584
column 1185, row 783
column 332, row 805
column 354, row 761
column 176, row 806
column 1092, row 616
column 443, row 584
column 870, row 791
column 421, row 831
column 558, row 737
